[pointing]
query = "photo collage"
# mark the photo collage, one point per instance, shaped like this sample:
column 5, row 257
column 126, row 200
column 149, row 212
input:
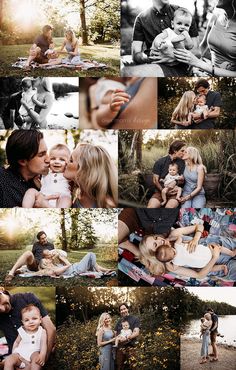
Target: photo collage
column 131, row 106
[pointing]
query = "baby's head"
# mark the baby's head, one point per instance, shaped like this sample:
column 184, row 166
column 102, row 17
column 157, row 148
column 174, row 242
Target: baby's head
column 46, row 254
column 207, row 316
column 125, row 325
column 27, row 83
column 59, row 156
column 165, row 253
column 173, row 169
column 182, row 20
column 31, row 317
column 201, row 100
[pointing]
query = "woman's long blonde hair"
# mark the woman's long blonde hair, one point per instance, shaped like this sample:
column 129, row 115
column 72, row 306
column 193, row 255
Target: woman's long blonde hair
column 72, row 37
column 96, row 174
column 101, row 321
column 195, row 156
column 46, row 83
column 148, row 259
column 184, row 107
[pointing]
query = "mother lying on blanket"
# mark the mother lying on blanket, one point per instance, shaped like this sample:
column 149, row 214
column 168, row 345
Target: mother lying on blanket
column 54, row 263
column 213, row 255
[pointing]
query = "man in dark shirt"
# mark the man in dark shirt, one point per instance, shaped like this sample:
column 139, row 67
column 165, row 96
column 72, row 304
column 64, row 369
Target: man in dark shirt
column 27, row 157
column 126, row 348
column 41, row 44
column 147, row 26
column 10, row 317
column 213, row 334
column 160, row 170
column 31, row 259
column 213, row 100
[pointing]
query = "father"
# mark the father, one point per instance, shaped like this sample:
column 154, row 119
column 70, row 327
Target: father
column 213, row 100
column 10, row 317
column 147, row 26
column 213, row 334
column 41, row 44
column 126, row 348
column 160, row 170
column 31, row 259
column 27, row 157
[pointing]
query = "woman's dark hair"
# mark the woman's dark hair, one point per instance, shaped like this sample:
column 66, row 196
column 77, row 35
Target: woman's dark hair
column 202, row 83
column 22, row 144
column 176, row 145
column 40, row 233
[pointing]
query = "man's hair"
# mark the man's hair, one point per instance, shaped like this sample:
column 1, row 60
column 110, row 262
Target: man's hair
column 40, row 233
column 22, row 144
column 202, row 83
column 29, row 308
column 176, row 145
column 47, row 28
column 209, row 309
column 3, row 291
column 124, row 304
column 182, row 11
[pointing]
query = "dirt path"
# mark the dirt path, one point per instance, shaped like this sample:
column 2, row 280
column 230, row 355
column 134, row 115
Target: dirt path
column 190, row 350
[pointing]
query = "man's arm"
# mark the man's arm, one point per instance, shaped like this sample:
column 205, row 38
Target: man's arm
column 137, row 54
column 134, row 334
column 156, row 182
column 51, row 334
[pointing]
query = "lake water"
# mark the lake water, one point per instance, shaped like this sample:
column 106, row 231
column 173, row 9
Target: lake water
column 67, row 104
column 226, row 327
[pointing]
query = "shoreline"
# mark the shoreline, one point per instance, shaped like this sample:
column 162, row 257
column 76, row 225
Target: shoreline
column 190, row 356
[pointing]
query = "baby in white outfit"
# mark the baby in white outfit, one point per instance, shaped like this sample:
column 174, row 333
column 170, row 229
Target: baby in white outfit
column 124, row 333
column 54, row 182
column 170, row 183
column 30, row 347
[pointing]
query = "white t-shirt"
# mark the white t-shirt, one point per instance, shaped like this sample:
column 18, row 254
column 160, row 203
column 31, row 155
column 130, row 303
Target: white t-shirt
column 169, row 178
column 197, row 259
column 29, row 343
column 55, row 183
column 27, row 97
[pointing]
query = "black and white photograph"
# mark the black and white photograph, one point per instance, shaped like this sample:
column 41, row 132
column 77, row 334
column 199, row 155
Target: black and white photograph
column 178, row 38
column 41, row 102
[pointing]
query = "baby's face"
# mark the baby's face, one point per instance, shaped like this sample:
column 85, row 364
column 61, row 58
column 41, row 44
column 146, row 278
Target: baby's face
column 173, row 170
column 47, row 254
column 31, row 319
column 201, row 101
column 27, row 85
column 58, row 160
column 182, row 23
column 125, row 325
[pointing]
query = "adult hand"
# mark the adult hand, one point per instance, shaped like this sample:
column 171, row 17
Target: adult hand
column 41, row 201
column 186, row 56
column 183, row 199
column 166, row 56
column 215, row 250
column 192, row 244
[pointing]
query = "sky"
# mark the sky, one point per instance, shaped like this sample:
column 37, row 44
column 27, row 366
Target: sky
column 219, row 294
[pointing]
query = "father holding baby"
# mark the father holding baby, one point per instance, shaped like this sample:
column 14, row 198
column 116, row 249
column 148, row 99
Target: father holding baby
column 161, row 19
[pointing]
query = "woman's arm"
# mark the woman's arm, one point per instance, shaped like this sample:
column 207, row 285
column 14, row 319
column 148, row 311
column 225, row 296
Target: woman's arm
column 51, row 334
column 204, row 44
column 43, row 349
column 180, row 123
column 200, row 180
column 196, row 274
column 174, row 234
column 64, row 260
column 101, row 343
column 59, row 270
column 130, row 247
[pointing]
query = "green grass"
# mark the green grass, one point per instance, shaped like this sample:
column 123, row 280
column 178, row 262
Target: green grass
column 8, row 258
column 108, row 54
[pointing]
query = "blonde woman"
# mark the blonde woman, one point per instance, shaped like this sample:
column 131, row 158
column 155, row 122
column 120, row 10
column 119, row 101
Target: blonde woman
column 95, row 177
column 46, row 97
column 181, row 116
column 193, row 195
column 70, row 48
column 105, row 337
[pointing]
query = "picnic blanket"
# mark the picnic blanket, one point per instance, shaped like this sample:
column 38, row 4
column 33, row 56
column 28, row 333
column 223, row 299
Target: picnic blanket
column 84, row 65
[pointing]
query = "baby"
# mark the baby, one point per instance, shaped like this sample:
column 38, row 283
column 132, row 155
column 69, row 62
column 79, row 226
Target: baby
column 30, row 347
column 124, row 333
column 52, row 258
column 177, row 38
column 29, row 97
column 206, row 323
column 170, row 183
column 54, row 182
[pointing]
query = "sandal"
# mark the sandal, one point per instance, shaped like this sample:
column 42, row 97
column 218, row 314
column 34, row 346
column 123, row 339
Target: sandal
column 214, row 359
column 202, row 361
column 8, row 279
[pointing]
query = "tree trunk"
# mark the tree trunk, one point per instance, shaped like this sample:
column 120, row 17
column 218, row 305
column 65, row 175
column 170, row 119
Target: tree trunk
column 139, row 150
column 84, row 32
column 64, row 243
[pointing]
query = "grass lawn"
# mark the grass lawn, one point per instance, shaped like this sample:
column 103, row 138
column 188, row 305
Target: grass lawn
column 8, row 258
column 108, row 54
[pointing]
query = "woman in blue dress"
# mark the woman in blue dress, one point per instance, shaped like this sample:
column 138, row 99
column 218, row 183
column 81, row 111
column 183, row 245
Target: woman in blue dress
column 193, row 195
column 105, row 340
column 70, row 49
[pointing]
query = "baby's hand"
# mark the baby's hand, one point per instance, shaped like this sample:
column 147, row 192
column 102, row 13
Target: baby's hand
column 118, row 98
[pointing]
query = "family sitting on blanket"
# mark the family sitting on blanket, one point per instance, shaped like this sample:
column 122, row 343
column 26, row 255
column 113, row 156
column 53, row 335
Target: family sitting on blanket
column 44, row 53
column 44, row 260
column 164, row 249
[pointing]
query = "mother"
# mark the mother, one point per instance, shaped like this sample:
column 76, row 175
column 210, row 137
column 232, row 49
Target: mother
column 153, row 258
column 105, row 338
column 193, row 195
column 220, row 40
column 44, row 95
